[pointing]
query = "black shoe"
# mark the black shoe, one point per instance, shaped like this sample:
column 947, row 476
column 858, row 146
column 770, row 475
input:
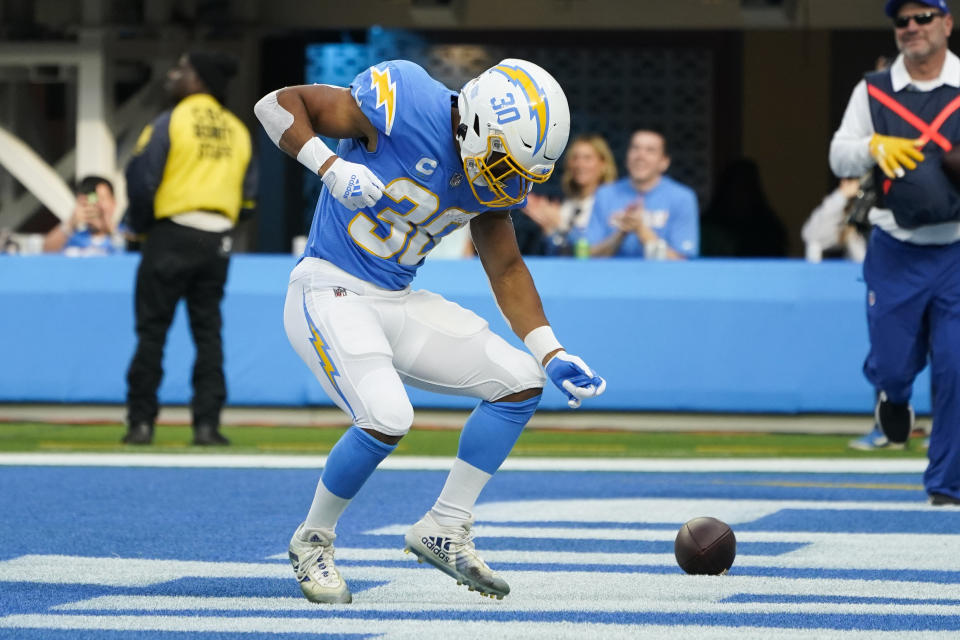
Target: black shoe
column 139, row 433
column 208, row 435
column 940, row 499
column 895, row 420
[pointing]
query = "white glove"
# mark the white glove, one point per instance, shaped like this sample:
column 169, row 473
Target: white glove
column 352, row 184
column 574, row 378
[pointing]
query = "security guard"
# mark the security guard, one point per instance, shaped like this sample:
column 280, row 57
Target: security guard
column 187, row 183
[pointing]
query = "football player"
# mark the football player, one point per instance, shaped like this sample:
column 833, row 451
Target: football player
column 416, row 161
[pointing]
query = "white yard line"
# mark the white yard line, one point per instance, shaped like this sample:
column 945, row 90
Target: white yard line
column 137, row 572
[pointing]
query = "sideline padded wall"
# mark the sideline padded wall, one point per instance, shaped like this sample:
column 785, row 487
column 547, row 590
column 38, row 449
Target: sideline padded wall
column 706, row 335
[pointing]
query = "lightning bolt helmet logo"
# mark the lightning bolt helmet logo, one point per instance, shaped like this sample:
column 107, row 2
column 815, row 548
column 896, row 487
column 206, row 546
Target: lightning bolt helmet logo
column 536, row 99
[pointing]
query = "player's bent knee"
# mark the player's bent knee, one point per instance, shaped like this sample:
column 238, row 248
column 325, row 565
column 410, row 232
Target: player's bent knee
column 388, row 418
column 395, row 422
column 384, row 405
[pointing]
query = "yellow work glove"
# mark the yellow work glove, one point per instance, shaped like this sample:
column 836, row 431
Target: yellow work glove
column 893, row 154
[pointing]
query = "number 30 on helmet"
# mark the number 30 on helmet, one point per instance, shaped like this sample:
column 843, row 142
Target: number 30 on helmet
column 514, row 124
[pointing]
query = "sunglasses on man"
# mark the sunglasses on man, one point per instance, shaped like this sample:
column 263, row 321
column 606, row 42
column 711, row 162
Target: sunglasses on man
column 902, row 22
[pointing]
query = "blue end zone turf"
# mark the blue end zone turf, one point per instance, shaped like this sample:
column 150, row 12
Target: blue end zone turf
column 98, row 553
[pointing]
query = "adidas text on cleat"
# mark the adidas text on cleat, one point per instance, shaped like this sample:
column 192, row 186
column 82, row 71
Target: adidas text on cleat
column 451, row 550
column 311, row 554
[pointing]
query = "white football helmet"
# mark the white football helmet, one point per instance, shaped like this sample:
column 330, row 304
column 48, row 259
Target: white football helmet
column 514, row 124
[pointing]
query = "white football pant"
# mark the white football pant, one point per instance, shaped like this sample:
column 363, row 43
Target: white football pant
column 363, row 343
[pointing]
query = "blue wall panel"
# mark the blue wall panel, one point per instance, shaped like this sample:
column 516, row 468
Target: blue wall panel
column 707, row 335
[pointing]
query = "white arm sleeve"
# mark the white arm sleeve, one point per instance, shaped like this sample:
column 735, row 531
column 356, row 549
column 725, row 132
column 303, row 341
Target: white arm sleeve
column 274, row 118
column 850, row 148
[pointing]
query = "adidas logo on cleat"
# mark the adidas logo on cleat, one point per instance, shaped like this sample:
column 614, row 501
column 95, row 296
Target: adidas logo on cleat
column 451, row 550
column 438, row 548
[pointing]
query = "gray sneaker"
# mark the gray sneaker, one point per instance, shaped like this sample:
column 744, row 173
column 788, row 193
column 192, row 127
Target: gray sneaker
column 451, row 550
column 311, row 554
column 874, row 440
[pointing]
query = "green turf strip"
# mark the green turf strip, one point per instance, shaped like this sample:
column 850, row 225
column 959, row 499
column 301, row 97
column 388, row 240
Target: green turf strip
column 35, row 436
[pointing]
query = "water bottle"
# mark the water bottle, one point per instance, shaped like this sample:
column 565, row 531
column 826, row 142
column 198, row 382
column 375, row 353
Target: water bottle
column 581, row 246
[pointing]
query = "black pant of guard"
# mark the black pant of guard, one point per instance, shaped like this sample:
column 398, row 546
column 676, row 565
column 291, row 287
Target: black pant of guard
column 179, row 262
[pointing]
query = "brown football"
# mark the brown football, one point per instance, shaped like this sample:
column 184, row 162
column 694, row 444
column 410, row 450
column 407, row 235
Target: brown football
column 705, row 546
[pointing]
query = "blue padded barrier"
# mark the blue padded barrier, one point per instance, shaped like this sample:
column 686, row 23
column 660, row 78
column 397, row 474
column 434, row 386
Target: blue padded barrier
column 706, row 335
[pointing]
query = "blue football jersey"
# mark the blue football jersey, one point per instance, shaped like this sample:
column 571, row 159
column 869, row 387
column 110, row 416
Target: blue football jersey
column 425, row 196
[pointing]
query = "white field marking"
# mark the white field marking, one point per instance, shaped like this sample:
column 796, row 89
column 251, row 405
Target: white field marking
column 668, row 535
column 669, row 510
column 419, row 585
column 841, row 554
column 420, row 463
column 636, row 605
column 442, row 629
column 127, row 572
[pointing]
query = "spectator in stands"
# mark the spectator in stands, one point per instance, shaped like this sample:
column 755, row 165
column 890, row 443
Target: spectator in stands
column 827, row 233
column 646, row 214
column 91, row 229
column 557, row 225
column 739, row 220
column 189, row 180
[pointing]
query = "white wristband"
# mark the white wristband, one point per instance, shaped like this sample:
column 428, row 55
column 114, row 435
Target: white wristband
column 313, row 154
column 541, row 341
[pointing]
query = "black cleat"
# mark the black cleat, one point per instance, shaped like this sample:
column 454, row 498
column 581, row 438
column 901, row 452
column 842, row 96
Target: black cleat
column 941, row 499
column 895, row 420
column 205, row 435
column 139, row 433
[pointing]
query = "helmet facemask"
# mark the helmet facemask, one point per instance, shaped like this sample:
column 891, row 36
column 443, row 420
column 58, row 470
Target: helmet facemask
column 499, row 144
column 498, row 171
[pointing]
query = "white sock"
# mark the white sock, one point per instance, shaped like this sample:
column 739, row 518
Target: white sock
column 460, row 493
column 325, row 510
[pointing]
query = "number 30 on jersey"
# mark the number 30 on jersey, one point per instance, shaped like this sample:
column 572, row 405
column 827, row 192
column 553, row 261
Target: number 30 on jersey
column 410, row 231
